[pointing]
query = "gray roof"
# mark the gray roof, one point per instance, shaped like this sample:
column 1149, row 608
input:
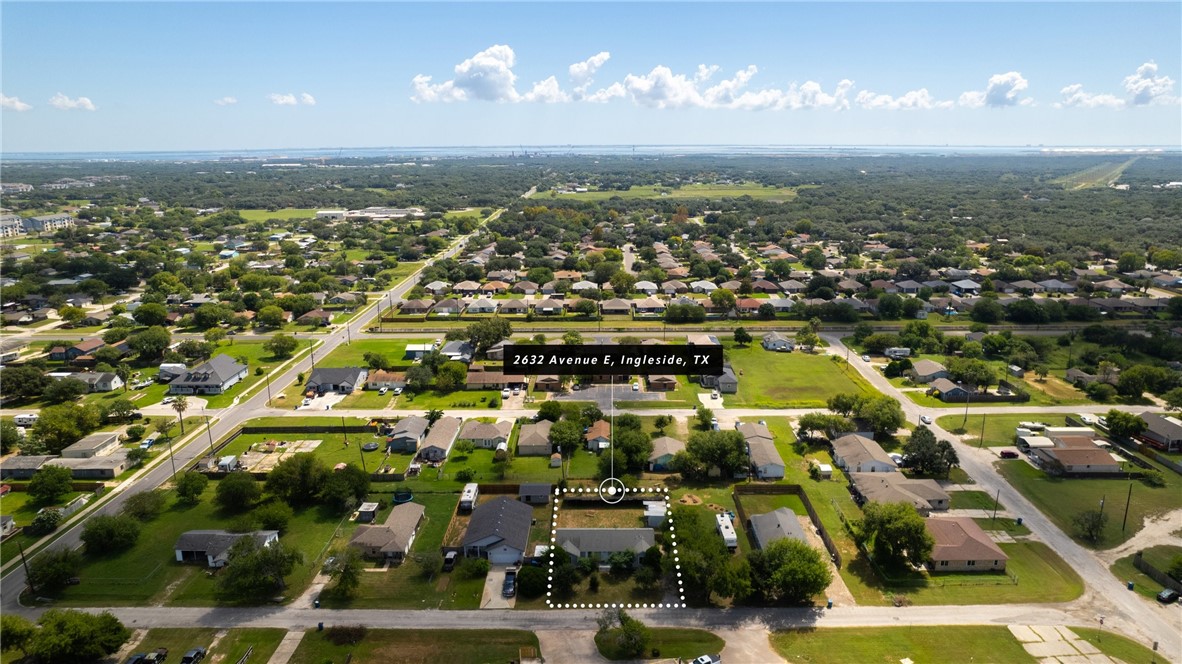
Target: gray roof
column 216, row 542
column 1166, row 427
column 218, row 370
column 776, row 525
column 501, row 517
column 927, row 367
column 93, row 441
column 856, row 449
column 764, row 453
column 535, row 434
column 477, row 430
column 336, row 375
column 412, row 426
column 577, row 540
column 442, row 433
column 395, row 534
column 25, row 462
column 665, row 445
column 751, row 430
column 897, row 488
column 535, row 489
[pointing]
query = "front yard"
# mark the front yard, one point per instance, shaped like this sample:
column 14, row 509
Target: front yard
column 463, row 646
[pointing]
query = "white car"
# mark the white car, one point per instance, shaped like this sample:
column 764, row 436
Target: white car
column 865, row 358
column 505, row 393
column 925, row 419
column 635, row 387
column 397, row 391
column 383, row 391
column 516, row 390
column 714, row 394
column 167, row 400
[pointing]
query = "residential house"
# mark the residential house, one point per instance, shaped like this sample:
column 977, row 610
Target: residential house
column 615, row 306
column 86, row 347
column 777, row 342
column 925, row 371
column 549, row 307
column 393, row 539
column 478, row 379
column 792, row 286
column 416, row 306
column 598, row 436
column 600, row 543
column 318, row 317
column 497, row 351
column 216, row 376
column 1076, row 460
column 349, row 299
column 460, row 351
column 525, row 288
column 664, row 448
column 385, row 379
column 343, row 380
column 946, row 390
column 534, row 439
column 674, row 287
column 22, row 467
column 494, row 287
column 548, row 383
column 514, row 307
column 1056, row 286
column 466, row 288
column 487, row 435
column 7, row 523
column 96, row 444
column 649, row 305
column 775, row 525
column 859, row 454
column 962, row 546
column 726, row 382
column 1162, row 431
column 965, row 287
column 448, row 307
column 924, row 495
column 437, row 445
column 703, row 286
column 212, row 547
column 99, row 382
column 765, row 286
column 647, row 287
column 418, row 351
column 499, row 531
column 407, row 434
column 482, row 306
column 766, row 461
column 535, row 493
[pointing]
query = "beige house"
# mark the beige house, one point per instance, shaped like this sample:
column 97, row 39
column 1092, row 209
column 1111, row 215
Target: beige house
column 961, row 546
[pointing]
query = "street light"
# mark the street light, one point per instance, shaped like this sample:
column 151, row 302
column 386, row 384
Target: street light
column 208, row 433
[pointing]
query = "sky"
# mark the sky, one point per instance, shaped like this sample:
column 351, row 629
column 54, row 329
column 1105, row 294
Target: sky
column 149, row 76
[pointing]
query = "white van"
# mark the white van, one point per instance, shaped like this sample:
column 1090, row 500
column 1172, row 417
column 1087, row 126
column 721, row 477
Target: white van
column 26, row 420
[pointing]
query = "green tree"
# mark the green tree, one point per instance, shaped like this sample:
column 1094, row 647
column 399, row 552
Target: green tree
column 103, row 534
column 1122, row 425
column 51, row 571
column 298, row 478
column 9, row 436
column 433, row 415
column 1090, row 524
column 237, row 492
column 707, row 452
column 145, row 505
column 151, row 343
column 972, row 372
column 271, row 316
column 121, row 410
column 742, row 336
column 705, row 417
column 190, row 486
column 17, row 631
column 550, row 410
column 255, row 570
column 64, row 390
column 180, row 405
column 588, row 308
column 882, row 413
column 45, row 522
column 150, row 314
column 345, row 488
column 567, row 436
column 273, row 515
column 1173, row 399
column 347, row 571
column 25, row 381
column 895, row 532
column 451, row 376
column 788, row 571
column 928, row 456
column 136, row 456
column 50, row 483
column 723, row 298
column 572, row 338
column 69, row 636
column 377, row 361
column 484, row 334
column 419, row 378
column 282, row 346
column 62, row 425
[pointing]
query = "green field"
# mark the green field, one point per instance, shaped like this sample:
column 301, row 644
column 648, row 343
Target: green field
column 862, row 645
column 1060, row 499
column 229, row 648
column 666, row 642
column 353, row 354
column 754, row 190
column 462, row 646
column 999, row 429
column 972, row 500
column 1096, row 176
column 788, row 380
column 1159, row 556
column 283, row 213
column 149, row 573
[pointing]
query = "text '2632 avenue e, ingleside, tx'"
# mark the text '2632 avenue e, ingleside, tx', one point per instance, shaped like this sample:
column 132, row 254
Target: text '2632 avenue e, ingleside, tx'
column 615, row 359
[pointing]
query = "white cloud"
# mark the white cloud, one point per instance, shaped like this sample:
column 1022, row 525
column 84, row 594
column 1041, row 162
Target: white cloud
column 919, row 99
column 1074, row 96
column 307, row 99
column 661, row 88
column 582, row 72
column 13, row 104
column 225, row 101
column 1002, row 91
column 282, row 99
column 546, row 91
column 607, row 94
column 64, row 103
column 487, row 76
column 1148, row 88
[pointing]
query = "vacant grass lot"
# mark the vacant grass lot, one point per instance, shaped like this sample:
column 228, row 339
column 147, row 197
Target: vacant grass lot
column 462, row 646
column 972, row 500
column 1060, row 499
column 788, row 380
column 448, row 400
column 999, row 429
column 751, row 189
column 230, row 648
column 597, row 514
column 1159, row 556
column 282, row 213
column 667, row 642
column 353, row 355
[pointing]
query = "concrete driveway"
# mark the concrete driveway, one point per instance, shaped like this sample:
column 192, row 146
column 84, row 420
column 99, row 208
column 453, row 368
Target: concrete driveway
column 492, row 590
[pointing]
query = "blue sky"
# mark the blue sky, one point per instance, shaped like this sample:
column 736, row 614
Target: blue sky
column 145, row 76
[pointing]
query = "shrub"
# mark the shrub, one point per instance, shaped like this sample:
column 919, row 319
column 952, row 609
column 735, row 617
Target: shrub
column 531, row 581
column 44, row 523
column 465, row 475
column 274, row 515
column 1154, row 478
column 473, row 568
column 145, row 505
column 135, row 432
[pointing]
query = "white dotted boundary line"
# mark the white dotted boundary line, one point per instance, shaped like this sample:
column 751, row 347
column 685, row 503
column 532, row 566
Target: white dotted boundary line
column 664, row 494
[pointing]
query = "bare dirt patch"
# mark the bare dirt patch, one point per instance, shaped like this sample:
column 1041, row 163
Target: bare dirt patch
column 689, row 499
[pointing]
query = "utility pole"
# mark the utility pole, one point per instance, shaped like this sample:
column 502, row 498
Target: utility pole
column 210, row 434
column 312, row 350
column 25, row 562
column 981, row 440
column 1128, row 501
column 171, row 459
column 267, row 376
column 996, row 502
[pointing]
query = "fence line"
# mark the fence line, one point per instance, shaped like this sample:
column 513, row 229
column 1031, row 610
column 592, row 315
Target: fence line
column 798, row 491
column 1156, row 574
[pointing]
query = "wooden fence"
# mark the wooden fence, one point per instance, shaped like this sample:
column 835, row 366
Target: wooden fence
column 1156, row 574
column 794, row 490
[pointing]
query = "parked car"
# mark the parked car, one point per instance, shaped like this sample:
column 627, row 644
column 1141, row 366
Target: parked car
column 148, row 443
column 1009, row 454
column 383, row 391
column 925, row 419
column 708, row 659
column 635, row 387
column 449, row 560
column 167, row 400
column 516, row 390
column 193, row 656
column 397, row 391
column 714, row 394
column 509, row 589
column 865, row 358
column 505, row 393
column 1168, row 596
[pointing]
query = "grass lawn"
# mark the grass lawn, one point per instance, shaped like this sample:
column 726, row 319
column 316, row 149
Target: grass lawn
column 999, row 429
column 668, row 642
column 254, row 356
column 685, row 396
column 366, row 400
column 1115, row 645
column 1002, row 524
column 712, row 191
column 448, row 400
column 353, row 355
column 404, row 586
column 861, row 645
column 788, row 380
column 229, row 648
column 597, row 514
column 282, row 213
column 148, row 573
column 21, row 507
column 972, row 500
column 1060, row 499
column 178, row 640
column 1159, row 556
column 462, row 646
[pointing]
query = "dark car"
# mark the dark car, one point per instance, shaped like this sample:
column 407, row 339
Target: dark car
column 510, row 587
column 1168, row 596
column 193, row 656
column 1009, row 454
column 449, row 560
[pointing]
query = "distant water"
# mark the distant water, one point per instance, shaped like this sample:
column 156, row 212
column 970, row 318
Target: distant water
column 527, row 151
